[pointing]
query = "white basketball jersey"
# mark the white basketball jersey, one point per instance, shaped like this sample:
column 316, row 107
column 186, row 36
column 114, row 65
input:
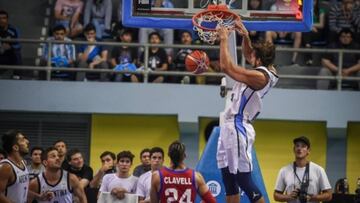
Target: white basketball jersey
column 237, row 134
column 18, row 190
column 246, row 103
column 62, row 190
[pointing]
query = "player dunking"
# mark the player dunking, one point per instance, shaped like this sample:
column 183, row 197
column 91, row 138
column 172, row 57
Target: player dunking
column 14, row 177
column 178, row 183
column 60, row 185
column 237, row 134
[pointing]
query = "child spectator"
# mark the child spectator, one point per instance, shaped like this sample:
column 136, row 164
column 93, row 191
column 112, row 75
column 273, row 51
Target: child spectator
column 157, row 58
column 62, row 55
column 92, row 56
column 167, row 34
column 124, row 58
column 179, row 60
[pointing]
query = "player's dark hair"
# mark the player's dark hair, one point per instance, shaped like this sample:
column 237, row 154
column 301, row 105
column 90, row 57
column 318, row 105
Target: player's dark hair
column 59, row 27
column 44, row 154
column 36, row 148
column 265, row 51
column 258, row 8
column 71, row 153
column 57, row 141
column 156, row 34
column 2, row 12
column 187, row 31
column 125, row 154
column 9, row 139
column 346, row 31
column 3, row 153
column 176, row 153
column 144, row 151
column 157, row 150
column 125, row 32
column 90, row 27
column 106, row 153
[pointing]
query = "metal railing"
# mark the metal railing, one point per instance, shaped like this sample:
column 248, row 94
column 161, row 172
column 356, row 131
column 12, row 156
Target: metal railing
column 147, row 71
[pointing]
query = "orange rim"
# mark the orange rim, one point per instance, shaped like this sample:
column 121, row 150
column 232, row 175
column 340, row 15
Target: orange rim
column 213, row 9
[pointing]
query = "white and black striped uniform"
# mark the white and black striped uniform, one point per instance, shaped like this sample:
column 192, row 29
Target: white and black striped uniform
column 237, row 134
column 17, row 191
column 61, row 190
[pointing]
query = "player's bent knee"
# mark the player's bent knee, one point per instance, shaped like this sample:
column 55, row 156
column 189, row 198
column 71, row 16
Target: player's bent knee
column 248, row 186
column 229, row 180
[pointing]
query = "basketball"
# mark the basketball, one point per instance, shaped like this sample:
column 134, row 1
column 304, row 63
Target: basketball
column 197, row 61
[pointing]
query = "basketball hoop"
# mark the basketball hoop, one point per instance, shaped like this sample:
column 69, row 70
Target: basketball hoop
column 206, row 22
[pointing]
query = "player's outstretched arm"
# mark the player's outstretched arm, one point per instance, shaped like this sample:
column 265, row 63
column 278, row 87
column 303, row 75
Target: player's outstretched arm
column 155, row 183
column 6, row 176
column 246, row 41
column 203, row 189
column 78, row 190
column 253, row 78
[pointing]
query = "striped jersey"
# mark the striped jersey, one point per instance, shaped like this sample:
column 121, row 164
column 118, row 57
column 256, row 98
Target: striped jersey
column 62, row 190
column 18, row 190
column 339, row 19
column 66, row 51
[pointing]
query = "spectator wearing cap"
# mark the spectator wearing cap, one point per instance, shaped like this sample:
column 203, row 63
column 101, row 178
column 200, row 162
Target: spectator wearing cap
column 293, row 181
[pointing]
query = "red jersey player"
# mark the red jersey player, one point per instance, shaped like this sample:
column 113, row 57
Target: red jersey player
column 178, row 184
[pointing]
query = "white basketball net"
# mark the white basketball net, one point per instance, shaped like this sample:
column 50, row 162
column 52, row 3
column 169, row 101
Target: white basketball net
column 218, row 17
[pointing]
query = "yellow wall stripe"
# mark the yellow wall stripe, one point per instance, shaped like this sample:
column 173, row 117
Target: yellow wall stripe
column 353, row 155
column 130, row 132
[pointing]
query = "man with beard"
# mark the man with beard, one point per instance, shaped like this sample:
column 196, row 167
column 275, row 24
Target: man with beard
column 14, row 177
column 61, row 146
column 58, row 183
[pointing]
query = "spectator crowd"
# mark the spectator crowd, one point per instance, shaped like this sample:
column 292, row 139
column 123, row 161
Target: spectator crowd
column 59, row 174
column 336, row 26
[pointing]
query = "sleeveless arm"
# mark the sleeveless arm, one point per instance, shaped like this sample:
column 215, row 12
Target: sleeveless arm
column 155, row 184
column 203, row 189
column 78, row 190
column 253, row 78
column 6, row 177
column 246, row 41
column 33, row 189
